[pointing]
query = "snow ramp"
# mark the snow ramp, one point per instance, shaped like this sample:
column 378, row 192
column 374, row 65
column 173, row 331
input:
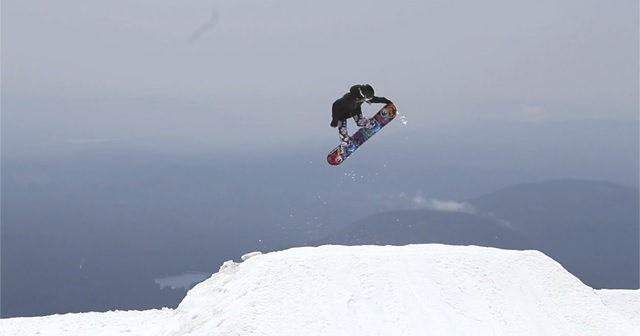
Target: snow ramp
column 427, row 289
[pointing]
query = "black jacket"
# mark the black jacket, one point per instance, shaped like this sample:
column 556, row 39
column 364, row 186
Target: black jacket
column 350, row 105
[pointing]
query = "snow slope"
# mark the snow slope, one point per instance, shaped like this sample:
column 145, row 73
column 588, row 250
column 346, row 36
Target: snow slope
column 428, row 289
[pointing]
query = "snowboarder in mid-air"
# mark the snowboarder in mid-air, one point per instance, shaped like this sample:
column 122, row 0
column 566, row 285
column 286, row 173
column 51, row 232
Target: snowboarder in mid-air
column 349, row 106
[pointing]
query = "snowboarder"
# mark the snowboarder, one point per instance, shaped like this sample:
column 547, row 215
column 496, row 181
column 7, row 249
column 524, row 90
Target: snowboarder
column 350, row 106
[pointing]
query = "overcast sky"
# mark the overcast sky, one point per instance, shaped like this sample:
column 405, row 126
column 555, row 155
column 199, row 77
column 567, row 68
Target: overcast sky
column 298, row 56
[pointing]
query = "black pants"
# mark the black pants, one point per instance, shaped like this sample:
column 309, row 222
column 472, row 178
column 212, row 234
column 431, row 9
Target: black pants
column 361, row 121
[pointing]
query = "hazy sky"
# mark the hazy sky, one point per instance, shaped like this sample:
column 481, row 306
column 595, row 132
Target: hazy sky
column 287, row 60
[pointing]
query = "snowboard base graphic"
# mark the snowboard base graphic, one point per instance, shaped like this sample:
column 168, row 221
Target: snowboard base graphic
column 382, row 118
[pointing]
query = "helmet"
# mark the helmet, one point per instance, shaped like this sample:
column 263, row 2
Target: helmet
column 366, row 91
column 362, row 92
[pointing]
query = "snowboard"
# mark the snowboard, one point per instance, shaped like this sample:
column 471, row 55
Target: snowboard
column 382, row 118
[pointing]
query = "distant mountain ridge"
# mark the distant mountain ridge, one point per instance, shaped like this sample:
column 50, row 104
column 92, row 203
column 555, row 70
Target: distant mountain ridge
column 591, row 227
column 402, row 227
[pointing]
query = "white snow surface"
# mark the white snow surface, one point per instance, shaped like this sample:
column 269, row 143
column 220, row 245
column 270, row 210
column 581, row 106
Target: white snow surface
column 426, row 289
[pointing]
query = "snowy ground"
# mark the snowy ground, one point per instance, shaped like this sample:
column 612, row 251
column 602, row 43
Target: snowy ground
column 426, row 289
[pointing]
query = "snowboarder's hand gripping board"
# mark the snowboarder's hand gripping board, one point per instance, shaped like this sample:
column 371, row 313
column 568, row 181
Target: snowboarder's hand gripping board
column 382, row 118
